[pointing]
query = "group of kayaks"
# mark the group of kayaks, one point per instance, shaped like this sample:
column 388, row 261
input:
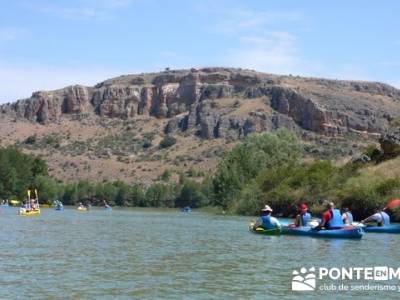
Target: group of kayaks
column 355, row 231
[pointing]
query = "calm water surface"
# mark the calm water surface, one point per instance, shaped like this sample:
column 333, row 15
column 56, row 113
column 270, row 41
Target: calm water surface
column 152, row 254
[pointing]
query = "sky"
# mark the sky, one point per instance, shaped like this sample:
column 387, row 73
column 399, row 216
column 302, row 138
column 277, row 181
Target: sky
column 47, row 44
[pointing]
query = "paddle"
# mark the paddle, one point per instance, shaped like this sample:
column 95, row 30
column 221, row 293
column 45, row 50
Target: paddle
column 392, row 204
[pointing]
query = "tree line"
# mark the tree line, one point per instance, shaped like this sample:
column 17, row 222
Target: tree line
column 264, row 168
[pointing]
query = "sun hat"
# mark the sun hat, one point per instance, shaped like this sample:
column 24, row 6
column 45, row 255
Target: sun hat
column 267, row 208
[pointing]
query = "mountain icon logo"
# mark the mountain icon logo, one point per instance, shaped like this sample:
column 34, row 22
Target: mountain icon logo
column 304, row 280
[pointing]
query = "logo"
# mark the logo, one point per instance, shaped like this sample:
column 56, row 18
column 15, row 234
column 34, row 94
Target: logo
column 304, row 280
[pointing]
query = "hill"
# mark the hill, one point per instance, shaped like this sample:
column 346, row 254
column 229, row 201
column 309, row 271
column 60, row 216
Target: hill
column 134, row 127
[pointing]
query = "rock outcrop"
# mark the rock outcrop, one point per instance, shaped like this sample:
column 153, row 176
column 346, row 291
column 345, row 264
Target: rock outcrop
column 193, row 100
column 390, row 143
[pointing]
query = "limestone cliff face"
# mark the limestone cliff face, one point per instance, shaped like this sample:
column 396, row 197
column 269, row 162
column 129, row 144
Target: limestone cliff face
column 193, row 100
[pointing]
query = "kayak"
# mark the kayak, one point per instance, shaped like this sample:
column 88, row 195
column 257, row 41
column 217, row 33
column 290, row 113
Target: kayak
column 82, row 208
column 383, row 229
column 260, row 230
column 28, row 213
column 108, row 208
column 59, row 208
column 312, row 222
column 344, row 233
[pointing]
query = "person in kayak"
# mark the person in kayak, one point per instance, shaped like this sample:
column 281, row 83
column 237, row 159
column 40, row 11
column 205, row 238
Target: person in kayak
column 303, row 217
column 380, row 217
column 265, row 220
column 331, row 217
column 347, row 216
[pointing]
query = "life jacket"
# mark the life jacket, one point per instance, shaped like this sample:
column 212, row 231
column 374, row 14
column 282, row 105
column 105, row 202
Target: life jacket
column 385, row 219
column 304, row 218
column 335, row 221
column 349, row 217
column 266, row 222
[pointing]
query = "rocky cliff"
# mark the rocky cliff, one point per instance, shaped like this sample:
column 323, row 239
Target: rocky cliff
column 116, row 129
column 223, row 103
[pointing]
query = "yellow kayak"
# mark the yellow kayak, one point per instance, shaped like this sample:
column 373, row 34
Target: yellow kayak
column 82, row 208
column 28, row 213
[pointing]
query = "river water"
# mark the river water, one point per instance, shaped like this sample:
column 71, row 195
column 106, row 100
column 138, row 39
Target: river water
column 166, row 254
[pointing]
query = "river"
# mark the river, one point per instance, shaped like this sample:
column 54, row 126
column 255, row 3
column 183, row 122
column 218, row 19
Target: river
column 166, row 254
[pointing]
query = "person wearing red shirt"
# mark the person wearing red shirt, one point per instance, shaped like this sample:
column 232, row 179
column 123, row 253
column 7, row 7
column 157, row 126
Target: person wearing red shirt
column 331, row 217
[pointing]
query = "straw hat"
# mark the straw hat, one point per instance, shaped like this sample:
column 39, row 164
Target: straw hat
column 267, row 208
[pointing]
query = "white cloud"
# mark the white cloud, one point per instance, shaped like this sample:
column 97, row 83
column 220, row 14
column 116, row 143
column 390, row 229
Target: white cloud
column 240, row 21
column 261, row 38
column 273, row 52
column 20, row 82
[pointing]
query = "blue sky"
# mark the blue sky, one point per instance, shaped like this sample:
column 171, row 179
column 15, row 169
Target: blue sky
column 51, row 44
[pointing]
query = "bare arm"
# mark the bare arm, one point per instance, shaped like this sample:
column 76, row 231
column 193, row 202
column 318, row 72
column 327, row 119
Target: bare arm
column 297, row 221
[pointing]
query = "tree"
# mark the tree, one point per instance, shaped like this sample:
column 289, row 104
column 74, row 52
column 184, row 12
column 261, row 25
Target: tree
column 190, row 195
column 48, row 189
column 245, row 161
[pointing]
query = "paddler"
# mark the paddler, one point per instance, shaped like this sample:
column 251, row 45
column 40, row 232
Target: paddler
column 347, row 216
column 331, row 217
column 265, row 220
column 380, row 217
column 303, row 217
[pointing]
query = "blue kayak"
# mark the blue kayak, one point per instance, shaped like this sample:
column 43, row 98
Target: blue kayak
column 344, row 233
column 383, row 229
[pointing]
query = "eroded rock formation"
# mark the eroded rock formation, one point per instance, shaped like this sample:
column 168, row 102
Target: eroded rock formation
column 193, row 100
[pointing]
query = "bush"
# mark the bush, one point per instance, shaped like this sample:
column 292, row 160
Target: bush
column 146, row 144
column 165, row 176
column 30, row 140
column 373, row 152
column 167, row 142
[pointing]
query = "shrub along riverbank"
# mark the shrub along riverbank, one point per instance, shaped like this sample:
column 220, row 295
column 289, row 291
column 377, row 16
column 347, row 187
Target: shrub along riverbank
column 268, row 168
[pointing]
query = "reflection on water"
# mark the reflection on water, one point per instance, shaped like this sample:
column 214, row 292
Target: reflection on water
column 167, row 254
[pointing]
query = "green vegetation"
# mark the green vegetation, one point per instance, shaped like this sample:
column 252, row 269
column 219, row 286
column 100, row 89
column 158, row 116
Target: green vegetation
column 18, row 172
column 167, row 141
column 165, row 176
column 267, row 168
column 245, row 162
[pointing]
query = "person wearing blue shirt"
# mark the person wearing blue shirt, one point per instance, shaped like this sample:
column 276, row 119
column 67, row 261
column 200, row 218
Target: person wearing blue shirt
column 347, row 216
column 380, row 217
column 265, row 220
column 303, row 217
